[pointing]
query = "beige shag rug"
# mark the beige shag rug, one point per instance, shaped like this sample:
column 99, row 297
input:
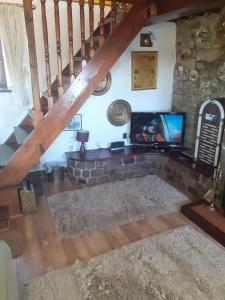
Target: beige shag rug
column 112, row 204
column 180, row 264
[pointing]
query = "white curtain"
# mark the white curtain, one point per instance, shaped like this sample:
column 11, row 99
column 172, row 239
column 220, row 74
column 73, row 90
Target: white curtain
column 13, row 35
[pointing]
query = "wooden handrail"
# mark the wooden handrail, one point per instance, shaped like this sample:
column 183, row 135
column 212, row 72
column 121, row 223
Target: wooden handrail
column 47, row 59
column 58, row 47
column 28, row 13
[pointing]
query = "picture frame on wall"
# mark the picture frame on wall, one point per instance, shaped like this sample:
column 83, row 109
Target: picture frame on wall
column 144, row 70
column 74, row 124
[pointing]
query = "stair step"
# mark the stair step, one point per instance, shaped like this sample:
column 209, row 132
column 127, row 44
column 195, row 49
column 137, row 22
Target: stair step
column 4, row 217
column 6, row 151
column 27, row 121
column 11, row 139
column 22, row 132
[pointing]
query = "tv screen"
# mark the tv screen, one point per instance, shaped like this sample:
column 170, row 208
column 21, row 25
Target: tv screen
column 157, row 128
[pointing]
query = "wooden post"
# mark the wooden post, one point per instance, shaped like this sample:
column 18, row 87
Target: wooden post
column 123, row 9
column 28, row 13
column 113, row 16
column 91, row 24
column 82, row 32
column 70, row 37
column 46, row 47
column 101, row 25
column 58, row 47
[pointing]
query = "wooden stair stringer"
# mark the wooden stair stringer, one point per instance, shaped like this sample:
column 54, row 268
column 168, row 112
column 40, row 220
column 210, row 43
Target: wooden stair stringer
column 68, row 105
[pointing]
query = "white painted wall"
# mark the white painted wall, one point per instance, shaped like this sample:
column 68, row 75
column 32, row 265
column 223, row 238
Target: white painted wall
column 94, row 111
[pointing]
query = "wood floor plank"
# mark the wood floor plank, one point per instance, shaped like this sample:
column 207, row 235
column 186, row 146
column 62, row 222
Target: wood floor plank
column 82, row 251
column 69, row 250
column 116, row 237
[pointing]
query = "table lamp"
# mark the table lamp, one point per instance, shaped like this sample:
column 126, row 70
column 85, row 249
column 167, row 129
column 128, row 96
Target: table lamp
column 82, row 136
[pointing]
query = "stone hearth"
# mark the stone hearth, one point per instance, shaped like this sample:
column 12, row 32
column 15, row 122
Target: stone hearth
column 102, row 166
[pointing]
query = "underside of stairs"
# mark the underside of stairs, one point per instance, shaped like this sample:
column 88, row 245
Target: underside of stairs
column 41, row 137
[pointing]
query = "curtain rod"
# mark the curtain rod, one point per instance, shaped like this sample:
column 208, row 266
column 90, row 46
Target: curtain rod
column 15, row 4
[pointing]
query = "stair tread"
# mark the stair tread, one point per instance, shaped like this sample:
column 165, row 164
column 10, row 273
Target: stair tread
column 11, row 138
column 27, row 121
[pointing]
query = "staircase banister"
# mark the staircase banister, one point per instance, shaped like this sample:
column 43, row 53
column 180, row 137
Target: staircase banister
column 72, row 100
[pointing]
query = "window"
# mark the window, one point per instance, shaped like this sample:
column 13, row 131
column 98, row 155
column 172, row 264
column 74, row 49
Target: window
column 3, row 81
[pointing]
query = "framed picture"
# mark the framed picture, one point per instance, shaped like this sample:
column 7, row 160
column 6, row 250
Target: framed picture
column 144, row 70
column 75, row 123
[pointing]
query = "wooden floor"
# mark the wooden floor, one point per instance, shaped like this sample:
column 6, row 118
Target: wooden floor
column 45, row 252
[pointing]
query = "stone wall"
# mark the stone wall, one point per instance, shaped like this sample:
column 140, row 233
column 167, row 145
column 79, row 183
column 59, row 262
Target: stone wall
column 200, row 54
column 179, row 171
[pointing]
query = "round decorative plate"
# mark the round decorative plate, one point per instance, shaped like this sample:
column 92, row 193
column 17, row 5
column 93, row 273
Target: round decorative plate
column 103, row 86
column 221, row 71
column 119, row 112
column 193, row 75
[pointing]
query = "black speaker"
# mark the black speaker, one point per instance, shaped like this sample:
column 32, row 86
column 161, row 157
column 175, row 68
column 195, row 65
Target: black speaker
column 117, row 146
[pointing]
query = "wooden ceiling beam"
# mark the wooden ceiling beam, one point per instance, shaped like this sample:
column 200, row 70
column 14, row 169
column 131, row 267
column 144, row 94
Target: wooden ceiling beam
column 175, row 9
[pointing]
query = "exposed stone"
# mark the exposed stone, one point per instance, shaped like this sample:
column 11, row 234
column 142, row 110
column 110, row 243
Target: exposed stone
column 102, row 163
column 97, row 172
column 86, row 174
column 129, row 160
column 72, row 163
column 140, row 158
column 77, row 172
column 81, row 180
column 115, row 161
column 200, row 34
column 86, row 165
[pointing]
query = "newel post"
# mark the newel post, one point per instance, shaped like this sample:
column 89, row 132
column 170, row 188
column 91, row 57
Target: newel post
column 28, row 14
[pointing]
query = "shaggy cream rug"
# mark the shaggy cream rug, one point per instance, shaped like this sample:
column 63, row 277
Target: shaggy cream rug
column 112, row 204
column 180, row 264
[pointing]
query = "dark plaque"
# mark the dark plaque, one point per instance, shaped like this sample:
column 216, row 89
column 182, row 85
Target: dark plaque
column 210, row 131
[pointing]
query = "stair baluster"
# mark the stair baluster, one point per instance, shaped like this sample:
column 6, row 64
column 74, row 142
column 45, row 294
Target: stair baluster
column 113, row 16
column 91, row 24
column 58, row 47
column 46, row 48
column 82, row 32
column 28, row 13
column 70, row 37
column 101, row 25
column 123, row 9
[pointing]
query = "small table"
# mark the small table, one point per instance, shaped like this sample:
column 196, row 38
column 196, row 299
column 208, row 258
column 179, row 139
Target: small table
column 212, row 222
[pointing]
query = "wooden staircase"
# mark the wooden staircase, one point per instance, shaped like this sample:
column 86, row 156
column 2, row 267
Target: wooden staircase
column 74, row 92
column 74, row 84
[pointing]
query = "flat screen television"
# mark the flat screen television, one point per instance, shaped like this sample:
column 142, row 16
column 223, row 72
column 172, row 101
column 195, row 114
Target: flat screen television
column 161, row 128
